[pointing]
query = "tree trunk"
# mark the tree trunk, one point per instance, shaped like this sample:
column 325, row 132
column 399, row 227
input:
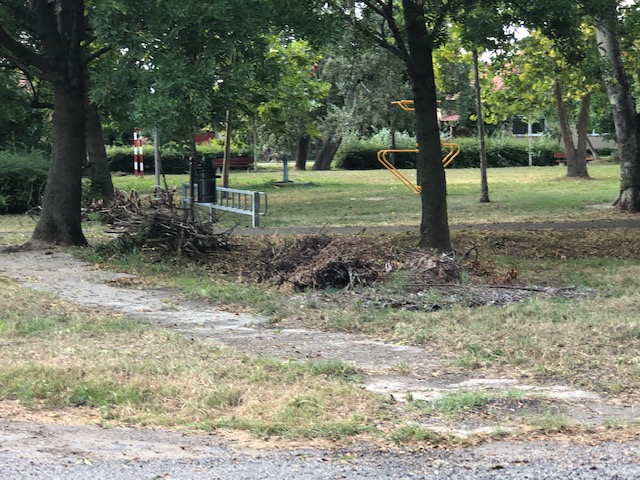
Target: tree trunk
column 484, row 184
column 582, row 128
column 625, row 117
column 576, row 164
column 60, row 28
column 565, row 127
column 227, row 152
column 329, row 149
column 303, row 152
column 101, row 183
column 60, row 221
column 434, row 226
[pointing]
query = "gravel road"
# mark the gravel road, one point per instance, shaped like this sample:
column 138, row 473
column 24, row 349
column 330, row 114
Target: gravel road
column 31, row 451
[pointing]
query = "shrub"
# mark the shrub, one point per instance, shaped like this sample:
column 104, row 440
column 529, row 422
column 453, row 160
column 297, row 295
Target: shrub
column 22, row 180
column 503, row 152
column 174, row 161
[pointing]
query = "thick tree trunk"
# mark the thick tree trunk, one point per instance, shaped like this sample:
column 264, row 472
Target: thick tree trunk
column 101, row 183
column 623, row 107
column 434, row 226
column 327, row 153
column 60, row 28
column 303, row 152
column 484, row 184
column 60, row 221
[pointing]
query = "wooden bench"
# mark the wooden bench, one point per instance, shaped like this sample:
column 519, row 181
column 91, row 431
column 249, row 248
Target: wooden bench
column 561, row 158
column 234, row 162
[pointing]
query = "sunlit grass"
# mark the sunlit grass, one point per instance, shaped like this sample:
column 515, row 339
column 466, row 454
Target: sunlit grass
column 372, row 198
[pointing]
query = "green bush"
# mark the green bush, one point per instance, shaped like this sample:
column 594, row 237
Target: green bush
column 22, row 180
column 174, row 161
column 502, row 152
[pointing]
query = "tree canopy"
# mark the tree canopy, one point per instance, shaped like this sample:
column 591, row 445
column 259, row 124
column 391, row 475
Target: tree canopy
column 303, row 69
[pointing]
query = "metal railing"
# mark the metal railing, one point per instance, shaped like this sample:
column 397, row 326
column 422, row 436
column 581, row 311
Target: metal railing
column 245, row 202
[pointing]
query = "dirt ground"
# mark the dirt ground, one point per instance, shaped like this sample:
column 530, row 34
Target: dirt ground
column 53, row 447
column 390, row 369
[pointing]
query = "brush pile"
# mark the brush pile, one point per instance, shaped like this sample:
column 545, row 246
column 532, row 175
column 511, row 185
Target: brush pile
column 319, row 262
column 164, row 230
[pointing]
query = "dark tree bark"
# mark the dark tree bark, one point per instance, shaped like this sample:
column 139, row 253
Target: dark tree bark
column 303, row 152
column 60, row 221
column 484, row 184
column 60, row 27
column 434, row 226
column 101, row 183
column 327, row 153
column 623, row 107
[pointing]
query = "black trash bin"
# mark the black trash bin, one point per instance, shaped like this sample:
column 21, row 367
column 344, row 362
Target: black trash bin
column 206, row 179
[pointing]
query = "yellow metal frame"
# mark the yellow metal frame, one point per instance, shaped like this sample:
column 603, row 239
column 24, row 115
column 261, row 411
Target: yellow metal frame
column 406, row 105
column 454, row 150
column 382, row 158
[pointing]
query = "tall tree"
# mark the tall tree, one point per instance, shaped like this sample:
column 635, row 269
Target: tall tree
column 365, row 80
column 623, row 105
column 560, row 20
column 535, row 76
column 55, row 54
column 410, row 30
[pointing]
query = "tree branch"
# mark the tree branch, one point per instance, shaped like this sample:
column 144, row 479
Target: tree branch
column 97, row 54
column 385, row 10
column 20, row 55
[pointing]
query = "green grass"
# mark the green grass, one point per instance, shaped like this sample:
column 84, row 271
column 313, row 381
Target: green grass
column 147, row 377
column 59, row 357
column 373, row 198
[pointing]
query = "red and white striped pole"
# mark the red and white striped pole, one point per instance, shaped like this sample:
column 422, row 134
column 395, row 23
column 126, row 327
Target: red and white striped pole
column 138, row 160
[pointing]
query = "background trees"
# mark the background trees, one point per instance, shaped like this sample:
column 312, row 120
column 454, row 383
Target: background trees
column 302, row 71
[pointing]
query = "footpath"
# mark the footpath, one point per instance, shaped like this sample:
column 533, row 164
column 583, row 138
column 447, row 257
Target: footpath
column 47, row 451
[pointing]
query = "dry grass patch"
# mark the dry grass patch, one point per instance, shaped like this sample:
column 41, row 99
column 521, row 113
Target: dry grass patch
column 58, row 357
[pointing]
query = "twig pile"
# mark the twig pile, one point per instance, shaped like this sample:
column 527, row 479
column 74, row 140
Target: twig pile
column 167, row 230
column 179, row 236
column 124, row 209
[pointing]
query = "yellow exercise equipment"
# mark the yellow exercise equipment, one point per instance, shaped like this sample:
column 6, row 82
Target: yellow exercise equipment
column 454, row 150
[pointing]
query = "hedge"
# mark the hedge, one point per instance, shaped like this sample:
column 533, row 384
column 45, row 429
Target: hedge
column 511, row 152
column 22, row 180
column 173, row 162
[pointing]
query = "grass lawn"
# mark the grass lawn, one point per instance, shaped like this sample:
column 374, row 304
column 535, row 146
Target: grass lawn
column 372, row 198
column 591, row 342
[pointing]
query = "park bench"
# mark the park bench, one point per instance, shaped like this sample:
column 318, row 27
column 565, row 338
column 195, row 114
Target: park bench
column 235, row 162
column 561, row 158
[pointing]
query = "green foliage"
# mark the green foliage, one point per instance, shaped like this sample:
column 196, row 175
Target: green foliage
column 288, row 105
column 22, row 180
column 501, row 152
column 21, row 126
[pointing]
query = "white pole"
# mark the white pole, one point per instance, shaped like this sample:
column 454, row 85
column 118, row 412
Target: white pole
column 530, row 132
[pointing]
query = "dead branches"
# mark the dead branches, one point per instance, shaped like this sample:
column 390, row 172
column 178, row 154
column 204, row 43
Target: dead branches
column 165, row 230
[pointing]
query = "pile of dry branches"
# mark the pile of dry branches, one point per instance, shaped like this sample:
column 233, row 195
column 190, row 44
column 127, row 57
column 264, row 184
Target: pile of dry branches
column 318, row 262
column 164, row 229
